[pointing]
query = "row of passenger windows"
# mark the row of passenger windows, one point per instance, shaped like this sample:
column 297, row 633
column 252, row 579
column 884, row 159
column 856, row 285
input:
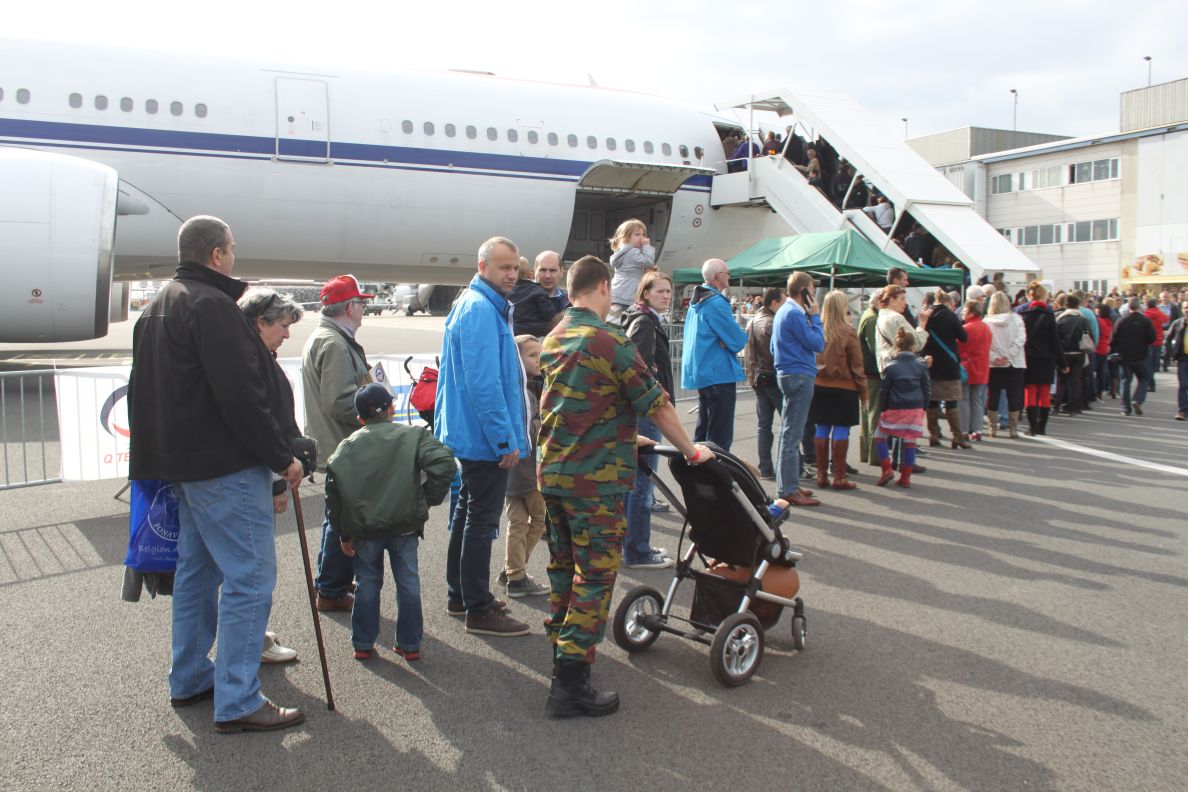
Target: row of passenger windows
column 552, row 138
column 22, row 95
column 151, row 106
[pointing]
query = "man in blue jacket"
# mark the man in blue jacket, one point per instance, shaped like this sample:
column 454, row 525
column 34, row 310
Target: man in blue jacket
column 709, row 360
column 796, row 338
column 481, row 417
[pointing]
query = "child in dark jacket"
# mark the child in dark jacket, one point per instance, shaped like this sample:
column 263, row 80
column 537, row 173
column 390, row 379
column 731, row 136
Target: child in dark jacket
column 380, row 483
column 904, row 394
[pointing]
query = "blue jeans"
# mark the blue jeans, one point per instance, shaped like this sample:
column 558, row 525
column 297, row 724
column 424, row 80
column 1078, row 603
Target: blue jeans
column 715, row 415
column 472, row 529
column 1138, row 371
column 1182, row 374
column 1152, row 366
column 637, row 543
column 226, row 538
column 1101, row 365
column 369, row 569
column 798, row 396
column 336, row 570
column 768, row 403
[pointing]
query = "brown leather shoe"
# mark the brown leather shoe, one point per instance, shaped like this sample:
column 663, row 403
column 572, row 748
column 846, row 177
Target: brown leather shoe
column 808, row 493
column 340, row 604
column 268, row 718
column 796, row 499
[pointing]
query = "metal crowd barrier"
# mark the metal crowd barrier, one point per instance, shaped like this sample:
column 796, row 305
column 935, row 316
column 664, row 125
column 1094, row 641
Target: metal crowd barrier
column 29, row 429
column 676, row 345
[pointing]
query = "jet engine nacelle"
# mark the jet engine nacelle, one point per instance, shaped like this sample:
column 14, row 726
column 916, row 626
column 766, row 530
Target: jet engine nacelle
column 57, row 242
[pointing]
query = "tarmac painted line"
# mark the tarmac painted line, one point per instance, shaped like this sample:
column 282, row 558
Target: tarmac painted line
column 1080, row 449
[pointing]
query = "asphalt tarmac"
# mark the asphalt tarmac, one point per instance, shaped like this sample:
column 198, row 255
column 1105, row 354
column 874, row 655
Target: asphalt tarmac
column 1016, row 620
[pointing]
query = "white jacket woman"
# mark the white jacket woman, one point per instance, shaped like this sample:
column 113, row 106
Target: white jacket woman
column 891, row 321
column 1008, row 337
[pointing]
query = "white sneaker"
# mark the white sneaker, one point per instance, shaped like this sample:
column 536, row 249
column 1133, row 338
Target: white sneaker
column 274, row 653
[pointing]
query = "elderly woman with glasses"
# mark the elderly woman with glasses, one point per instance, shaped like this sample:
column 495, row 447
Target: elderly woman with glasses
column 272, row 314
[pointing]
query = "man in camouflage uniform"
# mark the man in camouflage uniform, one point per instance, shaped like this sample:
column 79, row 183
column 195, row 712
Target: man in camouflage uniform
column 595, row 388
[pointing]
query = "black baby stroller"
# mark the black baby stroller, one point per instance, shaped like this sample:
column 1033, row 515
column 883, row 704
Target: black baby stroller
column 747, row 576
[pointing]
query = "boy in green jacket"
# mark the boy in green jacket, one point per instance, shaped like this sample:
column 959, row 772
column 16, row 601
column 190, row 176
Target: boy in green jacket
column 380, row 483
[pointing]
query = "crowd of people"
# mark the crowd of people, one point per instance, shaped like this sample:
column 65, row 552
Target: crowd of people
column 547, row 401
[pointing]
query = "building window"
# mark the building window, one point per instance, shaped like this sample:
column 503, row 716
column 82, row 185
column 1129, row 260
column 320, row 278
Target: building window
column 200, row 110
column 648, row 147
column 471, row 132
column 1105, row 230
column 553, row 139
column 1096, row 170
column 450, row 130
column 533, row 137
column 1046, row 177
column 512, row 136
column 76, row 100
column 100, row 102
column 428, row 127
column 629, row 144
column 1006, row 232
column 492, row 133
column 611, row 145
column 150, row 106
column 176, row 108
column 1031, row 235
column 126, row 105
column 666, row 149
column 22, row 96
column 1002, row 184
column 1049, row 234
column 571, row 140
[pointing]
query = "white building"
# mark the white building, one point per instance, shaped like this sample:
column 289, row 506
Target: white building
column 1092, row 212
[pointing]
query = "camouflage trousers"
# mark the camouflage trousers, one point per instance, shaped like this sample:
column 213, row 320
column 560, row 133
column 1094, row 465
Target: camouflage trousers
column 585, row 549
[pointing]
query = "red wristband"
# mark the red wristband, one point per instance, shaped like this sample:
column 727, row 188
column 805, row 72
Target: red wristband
column 696, row 456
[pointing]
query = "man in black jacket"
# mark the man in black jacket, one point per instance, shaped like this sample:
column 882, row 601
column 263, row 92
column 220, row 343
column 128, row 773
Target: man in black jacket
column 1133, row 336
column 533, row 312
column 1175, row 344
column 199, row 399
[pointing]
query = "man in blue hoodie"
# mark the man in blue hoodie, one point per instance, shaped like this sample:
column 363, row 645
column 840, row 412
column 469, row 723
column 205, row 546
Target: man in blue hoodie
column 796, row 338
column 481, row 416
column 709, row 360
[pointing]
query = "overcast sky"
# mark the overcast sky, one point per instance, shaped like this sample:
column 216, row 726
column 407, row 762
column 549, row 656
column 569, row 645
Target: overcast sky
column 941, row 65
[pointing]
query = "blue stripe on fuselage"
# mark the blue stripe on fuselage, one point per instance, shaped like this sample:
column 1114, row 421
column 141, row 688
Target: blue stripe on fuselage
column 61, row 134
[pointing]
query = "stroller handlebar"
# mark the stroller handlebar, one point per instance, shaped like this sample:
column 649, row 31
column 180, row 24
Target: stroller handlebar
column 667, row 451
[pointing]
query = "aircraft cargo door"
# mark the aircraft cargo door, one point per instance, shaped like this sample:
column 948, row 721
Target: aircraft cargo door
column 302, row 120
column 610, row 192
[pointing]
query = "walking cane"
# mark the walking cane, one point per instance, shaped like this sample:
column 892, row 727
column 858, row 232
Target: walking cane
column 313, row 605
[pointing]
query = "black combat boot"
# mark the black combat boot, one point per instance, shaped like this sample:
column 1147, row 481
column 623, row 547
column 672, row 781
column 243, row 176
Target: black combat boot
column 1044, row 412
column 571, row 693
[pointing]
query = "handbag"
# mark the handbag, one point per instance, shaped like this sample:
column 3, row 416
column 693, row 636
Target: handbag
column 1085, row 344
column 424, row 391
column 960, row 368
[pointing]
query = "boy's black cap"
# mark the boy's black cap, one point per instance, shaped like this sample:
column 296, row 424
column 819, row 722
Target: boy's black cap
column 372, row 400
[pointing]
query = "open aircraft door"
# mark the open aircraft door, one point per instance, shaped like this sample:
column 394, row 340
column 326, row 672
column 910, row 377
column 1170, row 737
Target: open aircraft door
column 611, row 191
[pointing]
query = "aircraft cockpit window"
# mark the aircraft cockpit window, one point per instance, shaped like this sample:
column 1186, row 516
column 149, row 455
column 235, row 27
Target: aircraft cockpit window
column 591, row 141
column 553, row 139
column 684, row 151
column 512, row 136
column 610, row 144
column 450, row 130
column 428, row 127
column 492, row 133
column 76, row 100
column 176, row 108
column 471, row 132
column 126, row 105
column 629, row 144
column 150, row 106
column 648, row 147
column 533, row 137
column 100, row 102
column 666, row 149
column 406, row 127
column 571, row 140
column 200, row 110
column 22, row 96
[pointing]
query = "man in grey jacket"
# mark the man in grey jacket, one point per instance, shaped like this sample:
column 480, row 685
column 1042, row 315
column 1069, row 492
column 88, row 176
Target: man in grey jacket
column 333, row 368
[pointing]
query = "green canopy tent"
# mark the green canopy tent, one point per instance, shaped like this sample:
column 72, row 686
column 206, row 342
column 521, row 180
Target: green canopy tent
column 846, row 259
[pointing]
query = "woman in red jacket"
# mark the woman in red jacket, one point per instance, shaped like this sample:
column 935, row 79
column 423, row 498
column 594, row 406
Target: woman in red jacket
column 975, row 359
column 1104, row 373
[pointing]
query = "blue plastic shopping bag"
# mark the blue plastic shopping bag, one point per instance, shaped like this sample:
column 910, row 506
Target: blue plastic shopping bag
column 153, row 527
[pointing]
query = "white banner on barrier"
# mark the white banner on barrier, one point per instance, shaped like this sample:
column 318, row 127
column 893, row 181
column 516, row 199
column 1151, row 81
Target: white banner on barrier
column 93, row 411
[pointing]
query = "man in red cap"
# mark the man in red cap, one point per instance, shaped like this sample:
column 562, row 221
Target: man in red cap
column 333, row 368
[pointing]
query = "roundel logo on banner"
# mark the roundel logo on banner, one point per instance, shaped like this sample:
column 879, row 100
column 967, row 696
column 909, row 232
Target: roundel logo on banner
column 113, row 420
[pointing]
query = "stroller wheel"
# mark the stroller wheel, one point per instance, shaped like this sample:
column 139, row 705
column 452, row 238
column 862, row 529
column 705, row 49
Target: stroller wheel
column 629, row 627
column 799, row 632
column 737, row 649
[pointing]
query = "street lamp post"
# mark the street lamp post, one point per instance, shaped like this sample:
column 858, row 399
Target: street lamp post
column 1147, row 58
column 1014, row 118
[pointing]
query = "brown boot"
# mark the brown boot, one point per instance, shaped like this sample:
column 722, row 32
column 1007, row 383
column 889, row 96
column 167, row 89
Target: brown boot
column 797, row 499
column 993, row 416
column 821, row 447
column 839, row 449
column 934, row 430
column 955, row 427
column 1013, row 424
